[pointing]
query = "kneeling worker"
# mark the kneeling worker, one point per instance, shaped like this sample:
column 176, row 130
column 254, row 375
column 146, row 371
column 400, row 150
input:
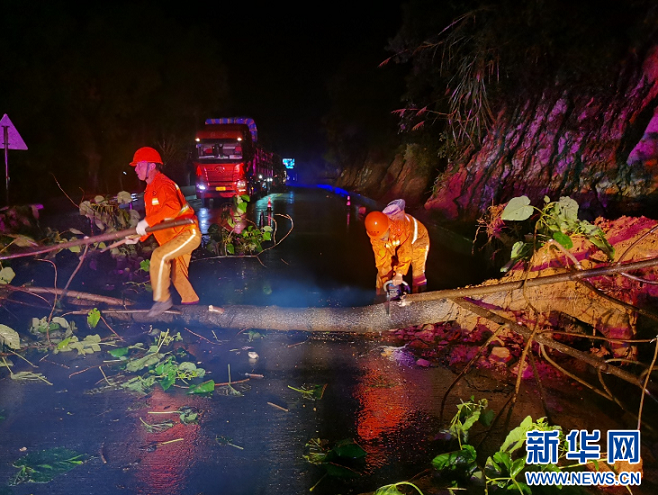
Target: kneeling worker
column 399, row 241
column 163, row 200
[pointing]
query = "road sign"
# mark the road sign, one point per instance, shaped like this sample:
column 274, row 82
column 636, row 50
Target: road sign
column 11, row 140
column 11, row 137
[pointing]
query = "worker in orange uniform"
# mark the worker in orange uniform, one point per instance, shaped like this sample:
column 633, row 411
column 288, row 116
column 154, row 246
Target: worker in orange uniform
column 399, row 242
column 163, row 201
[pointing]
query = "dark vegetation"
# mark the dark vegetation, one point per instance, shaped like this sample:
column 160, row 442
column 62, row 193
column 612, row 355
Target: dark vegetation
column 85, row 88
column 470, row 60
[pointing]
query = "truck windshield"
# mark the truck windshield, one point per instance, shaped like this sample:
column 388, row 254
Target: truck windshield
column 219, row 150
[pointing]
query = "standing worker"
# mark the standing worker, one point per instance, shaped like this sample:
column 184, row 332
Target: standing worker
column 163, row 201
column 399, row 242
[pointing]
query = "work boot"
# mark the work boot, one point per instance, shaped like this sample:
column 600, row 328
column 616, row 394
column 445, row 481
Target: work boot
column 159, row 307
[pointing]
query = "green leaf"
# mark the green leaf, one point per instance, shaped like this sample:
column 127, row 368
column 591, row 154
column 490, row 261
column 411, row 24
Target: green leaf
column 388, row 490
column 518, row 209
column 93, row 317
column 340, row 471
column 602, row 243
column 187, row 366
column 471, row 419
column 145, row 265
column 43, row 466
column 517, row 436
column 124, row 198
column 568, row 209
column 349, row 449
column 230, row 249
column 459, row 459
column 563, row 239
column 517, row 467
column 23, row 241
column 207, row 387
column 60, row 322
column 143, row 362
column 6, row 275
column 487, row 417
column 167, row 382
column 64, row 343
column 188, row 415
column 519, row 249
column 503, row 459
column 9, row 337
column 119, row 352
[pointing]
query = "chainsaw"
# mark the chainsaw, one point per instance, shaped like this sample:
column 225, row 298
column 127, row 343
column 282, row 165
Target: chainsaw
column 395, row 293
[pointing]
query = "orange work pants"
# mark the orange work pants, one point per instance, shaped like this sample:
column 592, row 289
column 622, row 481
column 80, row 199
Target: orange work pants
column 172, row 260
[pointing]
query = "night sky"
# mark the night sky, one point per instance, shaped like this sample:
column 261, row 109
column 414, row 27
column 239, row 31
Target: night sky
column 281, row 57
column 87, row 83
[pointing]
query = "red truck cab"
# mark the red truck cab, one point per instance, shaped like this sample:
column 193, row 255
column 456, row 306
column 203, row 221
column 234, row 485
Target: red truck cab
column 228, row 160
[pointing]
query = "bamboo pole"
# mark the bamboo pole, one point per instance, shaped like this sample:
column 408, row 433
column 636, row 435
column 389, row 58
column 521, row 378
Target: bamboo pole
column 110, row 236
column 70, row 294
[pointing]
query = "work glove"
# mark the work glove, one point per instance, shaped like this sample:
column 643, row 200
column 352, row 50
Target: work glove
column 141, row 227
column 131, row 239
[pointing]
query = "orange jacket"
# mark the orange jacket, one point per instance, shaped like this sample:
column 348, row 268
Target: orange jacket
column 404, row 238
column 164, row 200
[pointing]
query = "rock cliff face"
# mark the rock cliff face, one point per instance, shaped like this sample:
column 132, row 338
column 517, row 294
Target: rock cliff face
column 564, row 143
column 408, row 176
column 598, row 147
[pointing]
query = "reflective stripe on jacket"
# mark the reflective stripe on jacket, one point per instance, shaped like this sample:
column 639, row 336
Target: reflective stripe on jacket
column 412, row 236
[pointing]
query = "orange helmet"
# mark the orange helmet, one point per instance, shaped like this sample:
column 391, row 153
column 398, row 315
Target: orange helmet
column 146, row 154
column 376, row 224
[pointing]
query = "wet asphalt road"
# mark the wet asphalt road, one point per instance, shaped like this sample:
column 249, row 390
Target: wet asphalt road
column 254, row 443
column 326, row 260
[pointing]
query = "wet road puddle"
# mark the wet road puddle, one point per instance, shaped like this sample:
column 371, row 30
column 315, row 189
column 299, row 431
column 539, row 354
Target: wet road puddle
column 290, row 389
column 275, row 393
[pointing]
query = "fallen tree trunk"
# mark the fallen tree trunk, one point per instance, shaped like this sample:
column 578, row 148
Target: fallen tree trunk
column 109, row 236
column 416, row 309
column 367, row 319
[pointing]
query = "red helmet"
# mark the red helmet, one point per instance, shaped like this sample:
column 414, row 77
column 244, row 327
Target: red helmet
column 146, row 154
column 376, row 224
